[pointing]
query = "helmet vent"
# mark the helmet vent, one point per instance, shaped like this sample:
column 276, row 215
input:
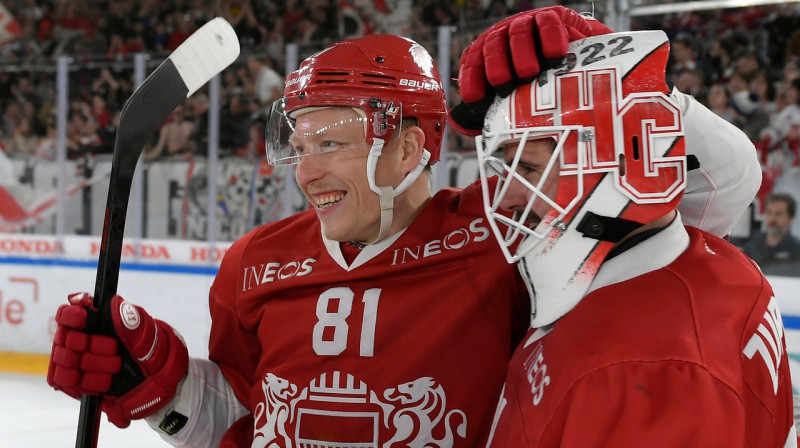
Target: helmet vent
column 332, row 77
column 336, row 77
column 377, row 75
column 378, row 83
column 378, row 79
column 333, row 73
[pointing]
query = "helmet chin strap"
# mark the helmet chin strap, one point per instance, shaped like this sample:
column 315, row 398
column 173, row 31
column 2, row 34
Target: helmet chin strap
column 388, row 193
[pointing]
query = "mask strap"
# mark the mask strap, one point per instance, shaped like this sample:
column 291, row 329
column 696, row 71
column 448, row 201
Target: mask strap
column 606, row 228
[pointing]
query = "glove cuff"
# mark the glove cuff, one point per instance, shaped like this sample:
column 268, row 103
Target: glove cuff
column 467, row 118
column 158, row 389
column 598, row 28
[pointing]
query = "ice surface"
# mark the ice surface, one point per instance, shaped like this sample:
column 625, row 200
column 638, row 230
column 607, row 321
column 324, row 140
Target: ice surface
column 33, row 415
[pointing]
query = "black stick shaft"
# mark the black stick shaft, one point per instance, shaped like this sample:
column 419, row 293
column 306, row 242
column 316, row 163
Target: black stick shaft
column 88, row 422
column 144, row 112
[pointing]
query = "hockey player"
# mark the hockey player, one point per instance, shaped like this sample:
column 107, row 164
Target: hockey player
column 372, row 319
column 383, row 316
column 644, row 332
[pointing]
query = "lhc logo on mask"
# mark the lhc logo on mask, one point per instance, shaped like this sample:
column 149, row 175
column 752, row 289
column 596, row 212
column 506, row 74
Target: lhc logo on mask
column 644, row 126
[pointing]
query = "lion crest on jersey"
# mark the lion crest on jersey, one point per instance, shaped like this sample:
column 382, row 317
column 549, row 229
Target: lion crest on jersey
column 275, row 411
column 407, row 415
column 420, row 408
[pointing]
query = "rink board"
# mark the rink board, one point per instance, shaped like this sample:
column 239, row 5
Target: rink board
column 171, row 280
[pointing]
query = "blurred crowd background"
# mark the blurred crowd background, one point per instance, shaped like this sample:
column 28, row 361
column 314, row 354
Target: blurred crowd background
column 101, row 36
column 743, row 63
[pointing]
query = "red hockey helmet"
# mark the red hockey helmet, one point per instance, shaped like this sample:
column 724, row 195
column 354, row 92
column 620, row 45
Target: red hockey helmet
column 387, row 77
column 615, row 153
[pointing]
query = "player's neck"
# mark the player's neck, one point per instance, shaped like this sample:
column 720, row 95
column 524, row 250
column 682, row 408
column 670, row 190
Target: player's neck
column 661, row 222
column 350, row 251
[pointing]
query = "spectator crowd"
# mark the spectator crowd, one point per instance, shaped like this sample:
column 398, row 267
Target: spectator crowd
column 101, row 36
column 743, row 63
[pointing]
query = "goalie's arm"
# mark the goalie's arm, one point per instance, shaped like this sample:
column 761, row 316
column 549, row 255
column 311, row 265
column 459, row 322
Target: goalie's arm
column 720, row 190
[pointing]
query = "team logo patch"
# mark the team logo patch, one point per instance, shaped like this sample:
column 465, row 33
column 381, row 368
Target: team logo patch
column 173, row 422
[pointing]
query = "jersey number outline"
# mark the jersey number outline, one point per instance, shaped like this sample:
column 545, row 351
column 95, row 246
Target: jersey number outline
column 338, row 321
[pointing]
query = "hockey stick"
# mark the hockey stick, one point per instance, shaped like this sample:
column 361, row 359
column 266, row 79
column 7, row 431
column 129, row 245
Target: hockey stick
column 204, row 54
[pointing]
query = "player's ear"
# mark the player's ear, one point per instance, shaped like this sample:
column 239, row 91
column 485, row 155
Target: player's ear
column 412, row 141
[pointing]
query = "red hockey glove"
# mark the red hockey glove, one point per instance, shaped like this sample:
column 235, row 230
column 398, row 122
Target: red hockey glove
column 513, row 52
column 136, row 362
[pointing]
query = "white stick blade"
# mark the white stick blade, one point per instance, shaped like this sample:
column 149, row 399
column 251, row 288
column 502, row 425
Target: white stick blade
column 205, row 53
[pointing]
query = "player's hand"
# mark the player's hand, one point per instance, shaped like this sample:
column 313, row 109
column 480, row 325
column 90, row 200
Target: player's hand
column 513, row 52
column 120, row 352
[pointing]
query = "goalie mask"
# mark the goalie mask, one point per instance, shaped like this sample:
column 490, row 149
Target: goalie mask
column 384, row 79
column 584, row 155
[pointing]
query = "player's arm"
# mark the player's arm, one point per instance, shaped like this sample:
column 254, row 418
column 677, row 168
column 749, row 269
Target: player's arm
column 207, row 405
column 202, row 411
column 215, row 393
column 720, row 189
column 666, row 403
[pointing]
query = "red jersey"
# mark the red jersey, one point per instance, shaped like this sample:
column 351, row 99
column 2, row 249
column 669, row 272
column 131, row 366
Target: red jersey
column 405, row 346
column 689, row 354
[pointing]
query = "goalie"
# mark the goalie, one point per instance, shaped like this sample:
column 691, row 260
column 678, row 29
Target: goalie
column 644, row 332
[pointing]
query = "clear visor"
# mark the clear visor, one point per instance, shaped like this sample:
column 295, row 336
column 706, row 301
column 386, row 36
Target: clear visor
column 524, row 208
column 317, row 124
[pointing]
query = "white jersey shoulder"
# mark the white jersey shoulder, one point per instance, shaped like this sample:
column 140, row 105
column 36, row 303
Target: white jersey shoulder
column 719, row 192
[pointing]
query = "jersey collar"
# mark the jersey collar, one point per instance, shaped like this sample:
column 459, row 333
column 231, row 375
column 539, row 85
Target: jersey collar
column 369, row 252
column 653, row 253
